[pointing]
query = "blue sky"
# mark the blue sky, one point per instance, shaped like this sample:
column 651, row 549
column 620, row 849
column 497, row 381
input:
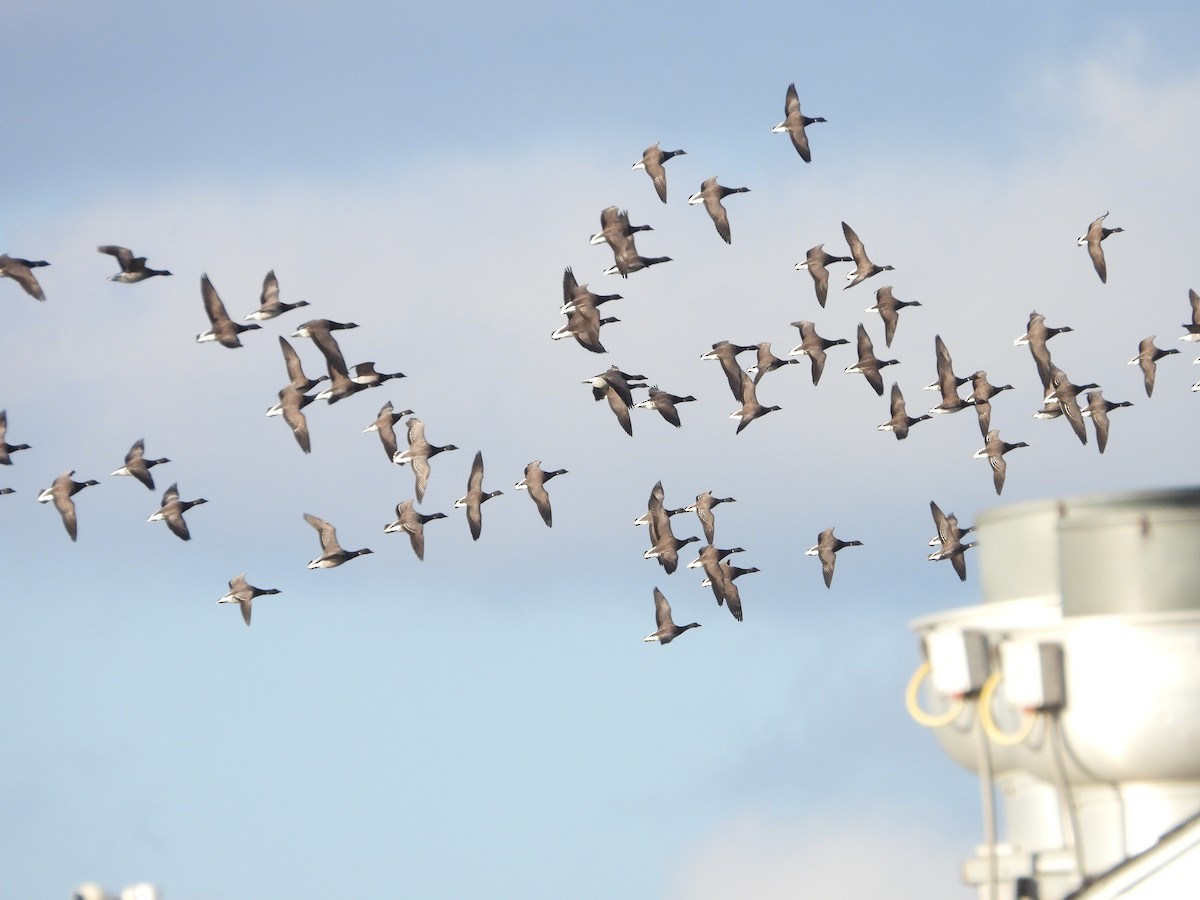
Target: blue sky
column 488, row 722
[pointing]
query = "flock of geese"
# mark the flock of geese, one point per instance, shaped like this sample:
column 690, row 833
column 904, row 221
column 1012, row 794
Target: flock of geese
column 1060, row 394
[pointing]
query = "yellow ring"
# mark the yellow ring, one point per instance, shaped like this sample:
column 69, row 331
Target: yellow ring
column 1003, row 738
column 914, row 706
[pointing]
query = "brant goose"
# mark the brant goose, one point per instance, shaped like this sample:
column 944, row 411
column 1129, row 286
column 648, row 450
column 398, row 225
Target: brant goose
column 270, row 305
column 5, row 447
column 243, row 594
column 981, row 396
column 703, row 509
column 615, row 229
column 813, row 346
column 947, row 382
column 665, row 404
column 1099, row 408
column 726, row 353
column 652, row 162
column 711, row 194
column 629, row 260
column 413, row 523
column 993, row 451
column 1193, row 329
column 889, row 308
column 138, row 466
column 622, row 382
column 863, row 267
column 826, row 549
column 61, row 492
column 868, row 364
column 667, row 629
column 385, row 425
column 710, row 561
column 583, row 324
column 18, row 270
column 576, row 295
column 767, row 362
column 1066, row 394
column 948, row 540
column 1148, row 357
column 751, row 408
column 815, row 261
column 316, row 327
column 332, row 553
column 1095, row 234
column 296, row 376
column 291, row 402
column 224, row 330
column 535, row 482
column 132, row 268
column 794, row 122
column 365, row 374
column 900, row 421
column 172, row 512
column 418, row 454
column 475, row 497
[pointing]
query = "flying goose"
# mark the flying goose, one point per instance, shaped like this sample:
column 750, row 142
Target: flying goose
column 132, row 268
column 947, row 382
column 138, row 466
column 1148, row 357
column 703, row 509
column 889, row 308
column 816, row 260
column 733, row 597
column 620, row 381
column 751, row 408
column 7, row 490
column 825, row 549
column 290, row 406
column 710, row 560
column 794, row 122
column 628, row 260
column 900, row 421
column 332, row 554
column 1060, row 389
column 652, row 162
column 948, row 540
column 576, row 295
column 1095, row 234
column 270, row 305
column 982, row 392
column 665, row 403
column 172, row 511
column 615, row 229
column 711, row 194
column 365, row 374
column 418, row 454
column 767, row 362
column 813, row 346
column 664, row 545
column 863, row 267
column 583, row 324
column 296, row 376
column 475, row 497
column 1099, row 408
column 61, row 492
column 1037, row 332
column 314, row 327
column 993, row 451
column 868, row 364
column 19, row 271
column 243, row 595
column 224, row 330
column 726, row 353
column 5, row 447
column 1193, row 328
column 385, row 425
column 535, row 482
column 413, row 524
column 667, row 629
